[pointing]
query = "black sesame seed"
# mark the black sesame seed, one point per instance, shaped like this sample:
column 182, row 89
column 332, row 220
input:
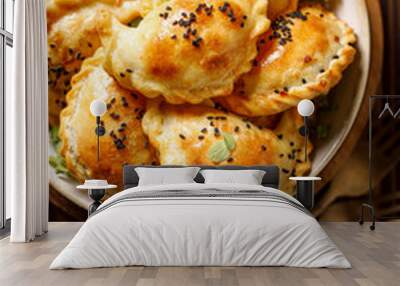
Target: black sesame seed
column 248, row 125
column 182, row 136
column 122, row 74
column 321, row 70
column 237, row 129
column 299, row 161
column 204, row 130
column 201, row 137
column 168, row 8
column 291, row 144
column 304, row 81
column 280, row 136
column 263, row 148
column 335, row 57
column 286, row 171
column 230, row 160
column 129, row 71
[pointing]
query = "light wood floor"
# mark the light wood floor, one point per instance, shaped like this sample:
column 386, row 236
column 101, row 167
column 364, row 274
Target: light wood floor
column 375, row 257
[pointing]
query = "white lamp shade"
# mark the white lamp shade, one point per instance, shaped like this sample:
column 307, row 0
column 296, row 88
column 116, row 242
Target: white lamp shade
column 98, row 107
column 305, row 107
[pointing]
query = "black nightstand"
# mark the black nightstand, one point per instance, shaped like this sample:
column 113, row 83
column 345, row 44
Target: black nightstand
column 305, row 190
column 96, row 190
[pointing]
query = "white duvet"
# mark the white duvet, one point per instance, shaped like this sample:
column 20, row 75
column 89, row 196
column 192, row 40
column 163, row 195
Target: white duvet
column 201, row 231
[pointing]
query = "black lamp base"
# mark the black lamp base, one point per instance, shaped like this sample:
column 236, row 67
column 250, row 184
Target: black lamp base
column 372, row 210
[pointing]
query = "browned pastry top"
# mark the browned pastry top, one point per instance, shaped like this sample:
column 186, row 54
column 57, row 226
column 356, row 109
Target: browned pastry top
column 302, row 56
column 185, row 50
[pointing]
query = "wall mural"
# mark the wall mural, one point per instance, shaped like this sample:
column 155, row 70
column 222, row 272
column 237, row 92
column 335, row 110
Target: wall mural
column 197, row 82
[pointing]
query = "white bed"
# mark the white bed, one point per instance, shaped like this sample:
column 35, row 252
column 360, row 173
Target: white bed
column 224, row 225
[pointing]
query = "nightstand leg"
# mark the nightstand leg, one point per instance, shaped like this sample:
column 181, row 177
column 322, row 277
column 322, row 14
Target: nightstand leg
column 305, row 193
column 96, row 196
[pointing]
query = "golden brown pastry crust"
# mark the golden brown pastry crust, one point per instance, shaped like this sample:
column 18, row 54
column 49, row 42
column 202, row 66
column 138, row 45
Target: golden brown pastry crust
column 183, row 52
column 124, row 141
column 184, row 135
column 124, row 10
column 280, row 7
column 306, row 65
column 72, row 37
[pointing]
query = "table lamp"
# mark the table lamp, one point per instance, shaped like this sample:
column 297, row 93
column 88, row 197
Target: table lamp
column 98, row 108
column 306, row 109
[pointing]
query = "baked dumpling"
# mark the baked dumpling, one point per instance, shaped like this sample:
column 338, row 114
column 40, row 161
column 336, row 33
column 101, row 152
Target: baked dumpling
column 124, row 141
column 185, row 50
column 303, row 56
column 72, row 37
column 202, row 135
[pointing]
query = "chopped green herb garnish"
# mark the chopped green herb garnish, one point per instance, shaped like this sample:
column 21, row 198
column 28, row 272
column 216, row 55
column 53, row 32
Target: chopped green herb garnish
column 59, row 165
column 218, row 152
column 135, row 22
column 323, row 131
column 229, row 141
column 55, row 139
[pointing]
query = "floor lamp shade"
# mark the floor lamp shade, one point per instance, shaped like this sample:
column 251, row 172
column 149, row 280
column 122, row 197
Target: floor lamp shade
column 305, row 108
column 98, row 108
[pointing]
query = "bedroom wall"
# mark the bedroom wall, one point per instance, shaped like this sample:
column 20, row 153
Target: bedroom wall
column 79, row 73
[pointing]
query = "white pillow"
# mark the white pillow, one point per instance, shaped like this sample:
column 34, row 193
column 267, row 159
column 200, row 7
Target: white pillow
column 248, row 177
column 166, row 176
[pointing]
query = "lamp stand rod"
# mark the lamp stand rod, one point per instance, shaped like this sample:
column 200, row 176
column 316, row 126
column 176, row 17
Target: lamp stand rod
column 98, row 137
column 306, row 138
